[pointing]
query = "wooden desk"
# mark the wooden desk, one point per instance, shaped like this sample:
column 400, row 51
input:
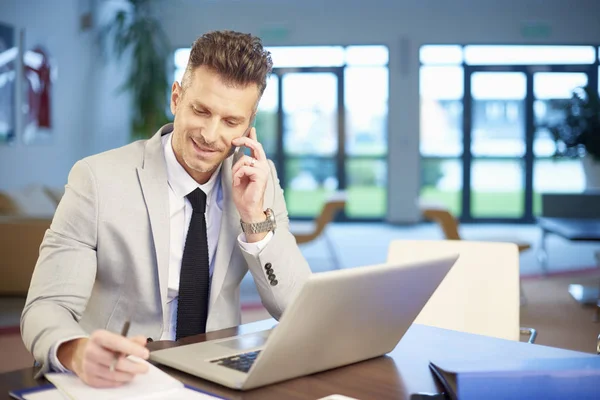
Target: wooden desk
column 396, row 376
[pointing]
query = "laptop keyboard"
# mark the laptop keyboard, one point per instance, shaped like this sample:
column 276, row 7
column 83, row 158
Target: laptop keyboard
column 239, row 362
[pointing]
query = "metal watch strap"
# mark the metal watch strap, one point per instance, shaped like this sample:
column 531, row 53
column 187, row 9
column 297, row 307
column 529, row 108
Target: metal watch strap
column 260, row 227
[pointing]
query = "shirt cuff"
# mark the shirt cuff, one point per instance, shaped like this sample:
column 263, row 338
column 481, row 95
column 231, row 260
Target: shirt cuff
column 55, row 364
column 256, row 247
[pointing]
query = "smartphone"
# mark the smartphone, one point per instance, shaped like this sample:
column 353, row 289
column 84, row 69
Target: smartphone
column 237, row 151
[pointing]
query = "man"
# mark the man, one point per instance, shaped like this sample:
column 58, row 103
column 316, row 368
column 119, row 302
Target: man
column 161, row 232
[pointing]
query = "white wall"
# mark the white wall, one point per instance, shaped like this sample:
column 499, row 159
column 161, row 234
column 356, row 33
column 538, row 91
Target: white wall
column 53, row 25
column 403, row 25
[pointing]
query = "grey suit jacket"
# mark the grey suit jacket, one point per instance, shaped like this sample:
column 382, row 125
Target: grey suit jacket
column 106, row 253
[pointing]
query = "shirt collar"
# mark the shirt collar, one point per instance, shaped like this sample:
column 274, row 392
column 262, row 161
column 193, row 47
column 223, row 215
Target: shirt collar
column 179, row 180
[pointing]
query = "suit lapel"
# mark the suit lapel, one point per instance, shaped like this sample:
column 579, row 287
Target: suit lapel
column 154, row 184
column 230, row 229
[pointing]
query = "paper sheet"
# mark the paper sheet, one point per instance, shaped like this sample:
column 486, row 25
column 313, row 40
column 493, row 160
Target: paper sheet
column 182, row 394
column 153, row 385
column 177, row 394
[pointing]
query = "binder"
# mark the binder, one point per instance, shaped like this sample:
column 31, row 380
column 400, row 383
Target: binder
column 21, row 393
column 551, row 378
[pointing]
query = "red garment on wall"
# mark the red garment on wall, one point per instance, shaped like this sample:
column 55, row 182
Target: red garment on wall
column 38, row 95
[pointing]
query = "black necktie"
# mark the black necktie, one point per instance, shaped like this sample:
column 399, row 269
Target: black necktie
column 192, row 308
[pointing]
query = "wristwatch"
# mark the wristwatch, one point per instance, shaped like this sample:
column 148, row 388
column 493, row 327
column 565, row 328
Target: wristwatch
column 259, row 227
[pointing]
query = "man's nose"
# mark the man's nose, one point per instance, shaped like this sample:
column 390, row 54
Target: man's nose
column 211, row 130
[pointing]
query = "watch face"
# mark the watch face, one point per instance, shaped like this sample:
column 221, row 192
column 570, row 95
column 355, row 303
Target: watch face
column 271, row 218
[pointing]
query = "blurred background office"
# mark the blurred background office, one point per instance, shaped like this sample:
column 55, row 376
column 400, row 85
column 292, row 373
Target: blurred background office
column 407, row 116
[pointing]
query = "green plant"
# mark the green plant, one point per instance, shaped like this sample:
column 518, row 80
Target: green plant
column 431, row 172
column 137, row 32
column 579, row 131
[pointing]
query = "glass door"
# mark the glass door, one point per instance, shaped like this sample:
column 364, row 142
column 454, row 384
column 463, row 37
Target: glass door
column 365, row 156
column 266, row 121
column 495, row 137
column 551, row 90
column 311, row 126
column 491, row 159
column 509, row 159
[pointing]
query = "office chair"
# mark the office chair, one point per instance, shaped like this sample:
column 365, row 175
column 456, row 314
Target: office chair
column 449, row 225
column 333, row 205
column 479, row 295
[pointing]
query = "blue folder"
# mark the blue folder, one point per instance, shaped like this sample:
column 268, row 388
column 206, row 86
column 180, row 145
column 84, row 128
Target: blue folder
column 543, row 378
column 18, row 394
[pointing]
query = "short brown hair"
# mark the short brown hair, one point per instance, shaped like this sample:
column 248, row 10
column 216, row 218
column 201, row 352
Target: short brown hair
column 239, row 58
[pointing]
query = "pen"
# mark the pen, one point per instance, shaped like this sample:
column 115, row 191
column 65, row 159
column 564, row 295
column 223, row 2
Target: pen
column 124, row 332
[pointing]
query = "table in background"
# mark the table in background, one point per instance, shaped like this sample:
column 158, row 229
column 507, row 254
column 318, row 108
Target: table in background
column 579, row 230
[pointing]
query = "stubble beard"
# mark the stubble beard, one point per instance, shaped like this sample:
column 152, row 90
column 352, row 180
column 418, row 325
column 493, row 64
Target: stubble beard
column 196, row 164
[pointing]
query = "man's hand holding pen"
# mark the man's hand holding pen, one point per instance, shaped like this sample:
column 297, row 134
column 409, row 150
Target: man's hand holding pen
column 91, row 358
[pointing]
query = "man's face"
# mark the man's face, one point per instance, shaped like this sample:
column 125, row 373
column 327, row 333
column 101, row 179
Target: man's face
column 209, row 114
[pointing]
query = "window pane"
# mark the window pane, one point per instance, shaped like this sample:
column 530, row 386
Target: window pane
column 441, row 54
column 441, row 183
column 498, row 85
column 551, row 90
column 557, row 85
column 498, row 109
column 8, row 84
column 181, row 57
column 310, row 108
column 532, row 55
column 307, row 56
column 441, row 92
column 178, row 75
column 441, row 82
column 366, row 188
column 310, row 182
column 556, row 176
column 366, row 100
column 266, row 117
column 497, row 188
column 543, row 144
column 367, row 55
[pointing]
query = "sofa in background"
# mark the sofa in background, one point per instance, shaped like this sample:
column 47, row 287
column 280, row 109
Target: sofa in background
column 25, row 215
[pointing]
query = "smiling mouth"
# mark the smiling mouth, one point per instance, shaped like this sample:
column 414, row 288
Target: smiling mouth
column 203, row 149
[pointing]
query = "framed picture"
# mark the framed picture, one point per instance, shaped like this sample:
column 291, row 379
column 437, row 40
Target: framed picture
column 8, row 83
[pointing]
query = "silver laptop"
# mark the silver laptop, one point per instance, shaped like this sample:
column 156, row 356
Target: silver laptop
column 337, row 318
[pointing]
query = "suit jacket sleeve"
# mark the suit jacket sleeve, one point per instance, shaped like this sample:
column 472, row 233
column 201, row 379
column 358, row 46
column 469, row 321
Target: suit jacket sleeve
column 282, row 255
column 66, row 269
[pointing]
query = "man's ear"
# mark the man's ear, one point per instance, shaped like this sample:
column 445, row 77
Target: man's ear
column 176, row 96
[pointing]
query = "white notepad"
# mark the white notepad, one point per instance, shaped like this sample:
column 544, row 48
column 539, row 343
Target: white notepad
column 177, row 394
column 153, row 385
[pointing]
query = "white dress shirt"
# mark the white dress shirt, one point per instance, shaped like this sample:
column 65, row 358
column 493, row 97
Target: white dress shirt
column 180, row 212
